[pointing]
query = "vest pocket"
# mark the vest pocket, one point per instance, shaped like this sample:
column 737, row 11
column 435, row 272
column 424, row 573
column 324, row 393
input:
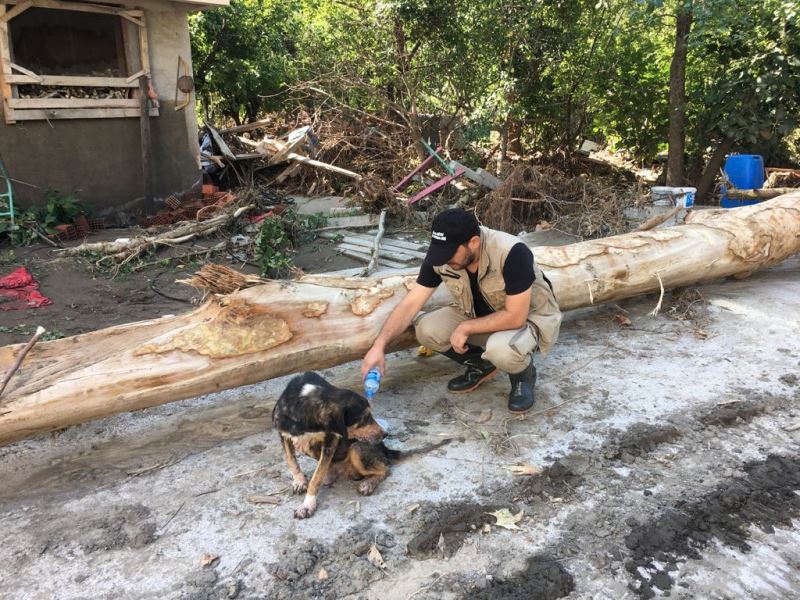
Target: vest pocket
column 494, row 292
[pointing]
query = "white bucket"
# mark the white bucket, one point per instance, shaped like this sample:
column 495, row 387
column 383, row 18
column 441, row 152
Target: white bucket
column 673, row 196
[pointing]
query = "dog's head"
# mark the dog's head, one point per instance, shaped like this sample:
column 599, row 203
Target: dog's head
column 360, row 423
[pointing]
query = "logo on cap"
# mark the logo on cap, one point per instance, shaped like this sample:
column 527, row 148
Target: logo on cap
column 438, row 235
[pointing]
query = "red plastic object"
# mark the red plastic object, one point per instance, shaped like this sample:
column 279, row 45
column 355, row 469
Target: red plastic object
column 20, row 290
column 436, row 186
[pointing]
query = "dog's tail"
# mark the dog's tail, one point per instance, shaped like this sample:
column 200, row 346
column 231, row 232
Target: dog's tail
column 398, row 456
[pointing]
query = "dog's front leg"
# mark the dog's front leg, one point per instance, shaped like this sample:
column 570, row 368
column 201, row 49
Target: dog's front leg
column 309, row 505
column 299, row 481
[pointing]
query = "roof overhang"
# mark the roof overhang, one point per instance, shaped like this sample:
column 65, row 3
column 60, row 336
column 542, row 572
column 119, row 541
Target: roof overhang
column 203, row 4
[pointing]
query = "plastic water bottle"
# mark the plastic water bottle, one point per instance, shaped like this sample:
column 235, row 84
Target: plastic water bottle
column 372, row 382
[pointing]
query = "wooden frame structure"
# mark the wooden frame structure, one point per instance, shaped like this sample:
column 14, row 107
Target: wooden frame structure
column 27, row 109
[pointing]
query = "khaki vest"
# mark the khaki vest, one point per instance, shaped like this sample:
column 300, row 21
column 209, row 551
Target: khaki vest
column 495, row 246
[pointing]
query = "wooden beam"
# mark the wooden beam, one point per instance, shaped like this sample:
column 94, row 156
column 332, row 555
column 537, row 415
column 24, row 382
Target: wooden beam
column 134, row 79
column 144, row 46
column 758, row 194
column 78, row 113
column 86, row 7
column 17, row 10
column 223, row 147
column 70, row 81
column 245, row 127
column 294, row 140
column 146, row 144
column 321, row 165
column 6, row 91
column 45, row 103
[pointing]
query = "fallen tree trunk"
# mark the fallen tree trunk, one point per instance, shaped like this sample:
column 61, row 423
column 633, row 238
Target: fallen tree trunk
column 320, row 321
column 758, row 194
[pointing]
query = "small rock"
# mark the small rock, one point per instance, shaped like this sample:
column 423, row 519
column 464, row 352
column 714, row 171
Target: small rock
column 234, row 589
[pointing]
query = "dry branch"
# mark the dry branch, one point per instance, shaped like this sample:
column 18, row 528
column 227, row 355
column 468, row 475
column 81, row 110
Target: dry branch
column 183, row 233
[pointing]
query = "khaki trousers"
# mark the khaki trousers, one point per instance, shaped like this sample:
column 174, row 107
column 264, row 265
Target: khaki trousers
column 509, row 351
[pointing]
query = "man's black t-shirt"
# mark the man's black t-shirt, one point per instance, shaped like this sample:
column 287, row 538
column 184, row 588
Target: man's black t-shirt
column 517, row 274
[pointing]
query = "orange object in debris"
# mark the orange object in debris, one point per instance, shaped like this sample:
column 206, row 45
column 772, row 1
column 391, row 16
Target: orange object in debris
column 209, row 188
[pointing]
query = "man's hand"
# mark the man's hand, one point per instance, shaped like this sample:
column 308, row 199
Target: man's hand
column 458, row 339
column 374, row 358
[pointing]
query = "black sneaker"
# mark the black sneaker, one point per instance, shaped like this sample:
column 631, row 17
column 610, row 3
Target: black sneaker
column 478, row 371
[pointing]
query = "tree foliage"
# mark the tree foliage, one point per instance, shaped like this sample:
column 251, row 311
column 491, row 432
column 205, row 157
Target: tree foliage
column 553, row 72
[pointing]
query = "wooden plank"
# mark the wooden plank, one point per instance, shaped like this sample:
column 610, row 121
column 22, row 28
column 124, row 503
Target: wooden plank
column 86, row 7
column 357, row 254
column 77, row 113
column 402, row 244
column 69, row 81
column 294, row 140
column 18, row 9
column 325, row 166
column 386, row 251
column 134, row 79
column 488, row 179
column 146, row 145
column 144, row 46
column 245, row 127
column 479, row 176
column 288, row 172
column 202, row 3
column 354, row 221
column 45, row 103
column 223, row 147
column 246, row 141
column 24, row 71
column 415, row 250
column 5, row 69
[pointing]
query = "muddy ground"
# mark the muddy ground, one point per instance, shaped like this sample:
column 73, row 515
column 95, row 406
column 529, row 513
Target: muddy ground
column 88, row 297
column 669, row 451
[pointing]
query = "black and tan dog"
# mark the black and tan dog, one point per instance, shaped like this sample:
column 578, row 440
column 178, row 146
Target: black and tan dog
column 334, row 426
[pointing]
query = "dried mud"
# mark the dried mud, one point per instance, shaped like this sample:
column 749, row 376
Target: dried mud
column 766, row 497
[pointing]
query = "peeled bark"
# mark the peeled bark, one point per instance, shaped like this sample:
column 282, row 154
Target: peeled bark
column 320, row 321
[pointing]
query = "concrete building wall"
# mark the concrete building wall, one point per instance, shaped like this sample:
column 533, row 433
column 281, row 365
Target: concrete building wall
column 101, row 158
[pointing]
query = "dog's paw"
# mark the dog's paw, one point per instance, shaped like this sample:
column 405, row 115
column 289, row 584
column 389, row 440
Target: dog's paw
column 299, row 485
column 365, row 488
column 306, row 509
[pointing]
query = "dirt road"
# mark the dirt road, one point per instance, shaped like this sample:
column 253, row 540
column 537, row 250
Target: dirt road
column 669, row 451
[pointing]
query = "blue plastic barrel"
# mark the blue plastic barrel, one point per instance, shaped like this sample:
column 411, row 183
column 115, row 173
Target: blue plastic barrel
column 746, row 172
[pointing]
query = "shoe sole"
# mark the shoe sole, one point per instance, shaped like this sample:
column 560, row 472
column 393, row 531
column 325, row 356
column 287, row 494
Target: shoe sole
column 477, row 385
column 520, row 412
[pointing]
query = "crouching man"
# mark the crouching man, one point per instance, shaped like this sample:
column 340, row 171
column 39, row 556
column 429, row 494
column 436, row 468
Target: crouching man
column 504, row 307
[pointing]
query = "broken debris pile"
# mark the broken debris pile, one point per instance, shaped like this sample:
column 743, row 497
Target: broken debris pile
column 195, row 206
column 548, row 197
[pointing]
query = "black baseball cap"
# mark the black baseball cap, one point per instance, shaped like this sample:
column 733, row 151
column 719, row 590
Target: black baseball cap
column 450, row 229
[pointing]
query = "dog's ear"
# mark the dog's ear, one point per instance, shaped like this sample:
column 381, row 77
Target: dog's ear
column 354, row 408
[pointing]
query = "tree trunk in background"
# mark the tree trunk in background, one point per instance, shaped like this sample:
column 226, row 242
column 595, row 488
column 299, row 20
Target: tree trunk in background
column 706, row 184
column 514, row 129
column 320, row 321
column 407, row 84
column 677, row 99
